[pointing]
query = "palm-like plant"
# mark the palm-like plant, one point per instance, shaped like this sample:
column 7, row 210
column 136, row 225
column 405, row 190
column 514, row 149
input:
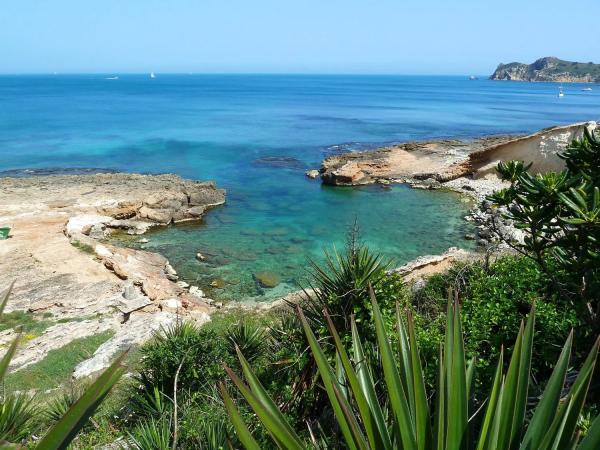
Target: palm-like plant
column 72, row 421
column 405, row 419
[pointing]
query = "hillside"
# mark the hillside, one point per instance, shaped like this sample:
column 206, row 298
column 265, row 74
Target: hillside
column 549, row 69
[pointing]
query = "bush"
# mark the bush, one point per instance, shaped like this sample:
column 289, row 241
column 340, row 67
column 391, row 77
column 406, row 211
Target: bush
column 494, row 301
column 559, row 213
column 200, row 352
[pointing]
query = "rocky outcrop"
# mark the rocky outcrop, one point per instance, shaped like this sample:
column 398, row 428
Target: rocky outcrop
column 67, row 276
column 409, row 162
column 549, row 69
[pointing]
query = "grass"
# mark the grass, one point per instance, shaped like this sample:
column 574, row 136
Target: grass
column 83, row 247
column 30, row 325
column 56, row 368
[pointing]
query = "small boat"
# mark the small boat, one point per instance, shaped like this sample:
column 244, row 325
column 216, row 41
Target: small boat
column 152, row 75
column 4, row 232
column 111, row 78
column 560, row 92
column 587, row 89
column 472, row 77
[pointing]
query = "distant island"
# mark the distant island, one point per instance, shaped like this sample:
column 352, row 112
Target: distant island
column 549, row 69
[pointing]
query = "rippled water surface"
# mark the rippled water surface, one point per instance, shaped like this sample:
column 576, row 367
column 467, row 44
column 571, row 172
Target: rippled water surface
column 256, row 135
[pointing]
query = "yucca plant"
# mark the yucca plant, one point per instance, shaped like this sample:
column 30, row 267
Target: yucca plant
column 405, row 418
column 152, row 435
column 72, row 421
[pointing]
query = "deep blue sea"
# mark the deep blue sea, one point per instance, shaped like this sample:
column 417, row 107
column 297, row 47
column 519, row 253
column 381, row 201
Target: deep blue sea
column 255, row 135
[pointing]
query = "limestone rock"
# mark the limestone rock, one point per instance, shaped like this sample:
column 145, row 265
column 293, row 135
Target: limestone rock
column 313, row 173
column 138, row 329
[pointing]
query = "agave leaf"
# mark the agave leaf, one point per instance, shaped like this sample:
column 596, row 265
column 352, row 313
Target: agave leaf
column 261, row 395
column 457, row 422
column 241, row 429
column 63, row 432
column 514, row 399
column 404, row 426
column 421, row 411
column 578, row 394
column 487, row 439
column 373, row 429
column 547, row 407
column 271, row 418
column 365, row 378
column 347, row 422
column 4, row 297
column 4, row 363
column 439, row 420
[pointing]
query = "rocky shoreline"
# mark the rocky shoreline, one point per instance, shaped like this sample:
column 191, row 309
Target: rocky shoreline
column 67, row 276
column 466, row 167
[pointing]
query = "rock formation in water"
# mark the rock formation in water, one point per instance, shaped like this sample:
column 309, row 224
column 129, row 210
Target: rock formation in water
column 549, row 69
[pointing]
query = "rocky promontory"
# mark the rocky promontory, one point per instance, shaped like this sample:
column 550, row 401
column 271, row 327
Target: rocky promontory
column 70, row 278
column 549, row 69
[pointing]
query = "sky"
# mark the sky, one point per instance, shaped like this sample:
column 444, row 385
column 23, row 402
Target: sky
column 283, row 36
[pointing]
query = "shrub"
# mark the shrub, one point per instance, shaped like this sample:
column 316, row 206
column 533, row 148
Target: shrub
column 200, row 352
column 560, row 215
column 494, row 301
column 406, row 418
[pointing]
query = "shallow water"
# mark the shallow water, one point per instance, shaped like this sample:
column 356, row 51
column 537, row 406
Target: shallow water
column 256, row 135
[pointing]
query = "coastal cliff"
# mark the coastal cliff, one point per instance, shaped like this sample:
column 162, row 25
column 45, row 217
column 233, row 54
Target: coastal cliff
column 549, row 69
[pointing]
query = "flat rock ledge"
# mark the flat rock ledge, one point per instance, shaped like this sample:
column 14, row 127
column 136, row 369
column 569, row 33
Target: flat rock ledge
column 68, row 277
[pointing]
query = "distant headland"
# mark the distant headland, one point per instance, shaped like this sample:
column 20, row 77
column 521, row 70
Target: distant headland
column 549, row 69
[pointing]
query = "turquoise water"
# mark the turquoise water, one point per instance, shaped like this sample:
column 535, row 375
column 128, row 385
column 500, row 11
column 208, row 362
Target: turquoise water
column 256, row 135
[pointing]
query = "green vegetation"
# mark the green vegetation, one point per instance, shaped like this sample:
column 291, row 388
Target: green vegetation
column 341, row 370
column 17, row 411
column 448, row 421
column 560, row 214
column 56, row 368
column 26, row 322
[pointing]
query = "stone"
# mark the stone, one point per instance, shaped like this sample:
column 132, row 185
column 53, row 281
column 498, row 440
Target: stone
column 470, row 236
column 313, row 173
column 172, row 303
column 183, row 284
column 138, row 329
column 160, row 215
column 207, row 196
column 196, row 291
column 127, row 306
column 200, row 257
column 130, row 292
column 267, row 279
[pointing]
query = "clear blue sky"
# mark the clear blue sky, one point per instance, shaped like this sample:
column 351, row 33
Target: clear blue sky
column 314, row 36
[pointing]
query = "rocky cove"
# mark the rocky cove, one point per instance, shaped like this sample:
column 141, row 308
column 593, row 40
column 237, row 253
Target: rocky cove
column 70, row 271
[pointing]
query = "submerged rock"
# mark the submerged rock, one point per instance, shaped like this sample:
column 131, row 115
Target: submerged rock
column 267, row 279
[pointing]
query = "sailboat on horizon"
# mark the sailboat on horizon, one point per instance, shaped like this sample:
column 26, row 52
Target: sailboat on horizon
column 152, row 75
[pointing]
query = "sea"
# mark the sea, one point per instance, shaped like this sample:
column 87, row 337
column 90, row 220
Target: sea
column 255, row 136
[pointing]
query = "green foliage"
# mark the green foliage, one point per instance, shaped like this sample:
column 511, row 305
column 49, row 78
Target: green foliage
column 412, row 421
column 152, row 435
column 199, row 350
column 58, row 406
column 249, row 337
column 560, row 215
column 17, row 413
column 494, row 301
column 56, row 368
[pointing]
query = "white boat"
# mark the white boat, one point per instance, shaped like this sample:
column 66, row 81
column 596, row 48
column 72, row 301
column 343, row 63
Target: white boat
column 472, row 77
column 152, row 75
column 111, row 78
column 560, row 92
column 587, row 89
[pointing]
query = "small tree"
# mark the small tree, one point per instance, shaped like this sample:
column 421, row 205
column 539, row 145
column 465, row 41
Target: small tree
column 559, row 213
